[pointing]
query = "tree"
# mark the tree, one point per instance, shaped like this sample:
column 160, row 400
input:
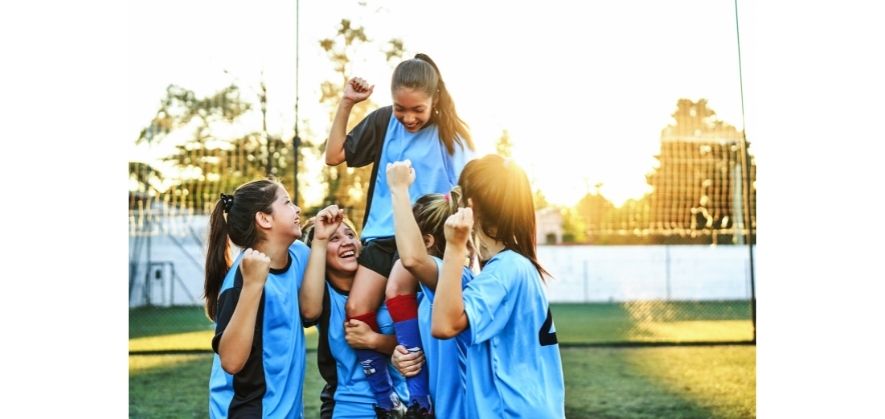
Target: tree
column 574, row 229
column 694, row 183
column 504, row 147
column 348, row 187
column 215, row 157
column 596, row 211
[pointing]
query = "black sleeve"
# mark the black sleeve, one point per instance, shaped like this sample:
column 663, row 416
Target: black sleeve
column 227, row 302
column 364, row 140
column 325, row 361
column 327, row 397
column 310, row 323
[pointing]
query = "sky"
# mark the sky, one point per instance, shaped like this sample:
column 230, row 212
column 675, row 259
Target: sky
column 583, row 89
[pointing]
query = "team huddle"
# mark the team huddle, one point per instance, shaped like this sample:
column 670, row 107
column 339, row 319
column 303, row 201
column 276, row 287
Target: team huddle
column 437, row 310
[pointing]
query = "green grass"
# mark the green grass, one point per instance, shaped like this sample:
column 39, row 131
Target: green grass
column 153, row 321
column 686, row 382
column 187, row 328
column 653, row 321
column 177, row 386
column 177, row 328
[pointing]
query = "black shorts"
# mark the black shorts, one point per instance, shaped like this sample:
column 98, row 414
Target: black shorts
column 379, row 255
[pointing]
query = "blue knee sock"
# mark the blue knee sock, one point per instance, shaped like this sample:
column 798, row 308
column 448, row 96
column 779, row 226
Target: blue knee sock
column 404, row 312
column 374, row 365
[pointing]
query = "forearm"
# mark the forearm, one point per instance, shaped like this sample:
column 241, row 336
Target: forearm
column 448, row 318
column 236, row 341
column 312, row 288
column 335, row 144
column 409, row 242
column 384, row 343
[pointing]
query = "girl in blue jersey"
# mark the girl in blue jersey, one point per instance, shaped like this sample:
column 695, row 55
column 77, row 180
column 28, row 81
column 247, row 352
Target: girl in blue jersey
column 421, row 126
column 421, row 242
column 327, row 282
column 513, row 363
column 258, row 369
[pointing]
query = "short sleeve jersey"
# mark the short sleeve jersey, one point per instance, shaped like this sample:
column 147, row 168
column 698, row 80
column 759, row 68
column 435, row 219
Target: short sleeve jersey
column 446, row 358
column 270, row 383
column 513, row 362
column 436, row 171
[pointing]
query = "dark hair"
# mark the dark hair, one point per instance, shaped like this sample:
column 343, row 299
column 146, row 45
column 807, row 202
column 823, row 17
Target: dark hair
column 307, row 230
column 239, row 226
column 502, row 202
column 431, row 212
column 421, row 73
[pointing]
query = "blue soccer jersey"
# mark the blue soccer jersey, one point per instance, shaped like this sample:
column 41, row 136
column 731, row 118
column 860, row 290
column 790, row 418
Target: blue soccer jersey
column 435, row 170
column 270, row 384
column 513, row 363
column 352, row 395
column 446, row 359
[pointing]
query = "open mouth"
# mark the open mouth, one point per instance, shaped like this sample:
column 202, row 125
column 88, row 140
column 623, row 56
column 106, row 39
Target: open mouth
column 347, row 254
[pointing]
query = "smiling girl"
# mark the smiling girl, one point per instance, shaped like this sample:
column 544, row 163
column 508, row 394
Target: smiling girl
column 327, row 283
column 258, row 367
column 421, row 126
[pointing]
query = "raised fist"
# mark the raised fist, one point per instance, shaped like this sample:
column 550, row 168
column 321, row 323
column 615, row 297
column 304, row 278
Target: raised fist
column 357, row 90
column 400, row 174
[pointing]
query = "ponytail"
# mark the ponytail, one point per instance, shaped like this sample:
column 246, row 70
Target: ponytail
column 455, row 199
column 237, row 226
column 414, row 74
column 431, row 211
column 218, row 259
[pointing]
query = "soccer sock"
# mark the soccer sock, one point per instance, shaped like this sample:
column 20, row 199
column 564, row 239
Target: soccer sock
column 404, row 312
column 375, row 366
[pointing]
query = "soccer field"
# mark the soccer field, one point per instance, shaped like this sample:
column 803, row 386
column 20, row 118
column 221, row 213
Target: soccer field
column 187, row 328
column 601, row 382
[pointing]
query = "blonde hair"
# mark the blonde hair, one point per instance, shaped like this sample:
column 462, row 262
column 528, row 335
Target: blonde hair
column 431, row 212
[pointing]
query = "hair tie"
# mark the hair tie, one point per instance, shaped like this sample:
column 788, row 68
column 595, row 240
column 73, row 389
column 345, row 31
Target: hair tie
column 447, row 197
column 227, row 201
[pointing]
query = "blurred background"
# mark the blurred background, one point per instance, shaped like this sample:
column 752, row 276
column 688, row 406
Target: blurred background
column 627, row 117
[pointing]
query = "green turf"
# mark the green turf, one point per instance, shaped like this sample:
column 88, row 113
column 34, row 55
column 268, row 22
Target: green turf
column 153, row 321
column 176, row 386
column 708, row 381
column 177, row 328
column 653, row 321
column 685, row 382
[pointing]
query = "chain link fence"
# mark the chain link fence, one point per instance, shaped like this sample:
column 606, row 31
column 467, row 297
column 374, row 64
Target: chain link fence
column 668, row 267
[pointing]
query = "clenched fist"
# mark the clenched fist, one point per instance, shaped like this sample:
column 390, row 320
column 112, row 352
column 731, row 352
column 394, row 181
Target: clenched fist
column 459, row 226
column 357, row 90
column 400, row 174
column 327, row 222
column 255, row 266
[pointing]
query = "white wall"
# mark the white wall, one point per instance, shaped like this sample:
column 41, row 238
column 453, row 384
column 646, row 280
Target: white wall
column 621, row 273
column 180, row 247
column 581, row 273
